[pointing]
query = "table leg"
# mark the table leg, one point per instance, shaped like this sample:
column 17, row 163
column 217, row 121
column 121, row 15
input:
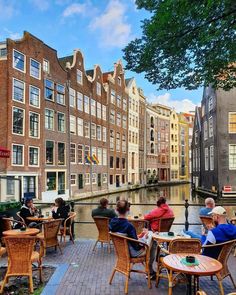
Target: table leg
column 170, row 276
column 189, row 285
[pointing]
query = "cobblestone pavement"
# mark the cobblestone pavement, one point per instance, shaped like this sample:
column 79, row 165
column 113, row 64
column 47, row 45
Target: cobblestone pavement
column 89, row 272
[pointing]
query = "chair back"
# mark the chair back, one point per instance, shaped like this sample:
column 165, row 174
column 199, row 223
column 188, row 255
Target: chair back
column 19, row 217
column 19, row 251
column 6, row 224
column 165, row 224
column 207, row 221
column 138, row 224
column 122, row 252
column 50, row 230
column 102, row 224
column 70, row 219
column 183, row 245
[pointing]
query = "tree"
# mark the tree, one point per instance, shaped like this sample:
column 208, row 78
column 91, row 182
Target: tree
column 186, row 44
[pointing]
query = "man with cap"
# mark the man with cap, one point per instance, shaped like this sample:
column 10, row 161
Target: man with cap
column 222, row 232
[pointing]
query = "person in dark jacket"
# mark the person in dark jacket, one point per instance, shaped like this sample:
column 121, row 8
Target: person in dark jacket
column 103, row 211
column 28, row 210
column 60, row 210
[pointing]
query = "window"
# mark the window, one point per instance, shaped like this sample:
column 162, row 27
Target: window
column 112, row 117
column 118, row 119
column 210, row 127
column 93, row 107
column 206, row 159
column 123, row 163
column 93, row 152
column 49, row 152
column 123, row 143
column 232, row 156
column 18, row 121
column 17, row 157
column 124, row 104
column 117, row 163
column 80, row 101
column 80, row 154
column 93, row 131
column 104, row 113
column 112, row 139
column 99, row 155
column 111, row 179
column 210, row 104
column 94, row 178
column 104, row 177
column 87, row 179
column 34, row 93
column 118, row 101
column 99, row 110
column 18, row 90
column 104, row 134
column 205, row 131
column 86, row 153
column 104, row 157
column 18, row 60
column 232, row 122
column 72, row 153
column 46, row 66
column 48, row 90
column 99, row 89
column 49, row 119
column 86, row 129
column 72, row 97
column 72, row 124
column 60, row 94
column 99, row 133
column 124, row 122
column 51, row 181
column 111, row 162
column 35, row 69
column 79, row 77
column 118, row 142
column 61, row 122
column 73, row 179
column 61, row 153
column 86, row 104
column 113, row 96
column 10, row 185
column 211, row 157
column 3, row 52
column 34, row 124
column 80, row 126
column 33, row 156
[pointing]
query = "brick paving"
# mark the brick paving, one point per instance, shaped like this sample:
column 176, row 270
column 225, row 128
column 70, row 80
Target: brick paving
column 88, row 274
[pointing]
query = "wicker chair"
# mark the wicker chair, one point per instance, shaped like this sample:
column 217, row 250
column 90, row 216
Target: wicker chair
column 20, row 259
column 180, row 245
column 124, row 261
column 139, row 224
column 102, row 224
column 66, row 230
column 8, row 223
column 164, row 224
column 207, row 221
column 224, row 250
column 49, row 236
column 20, row 218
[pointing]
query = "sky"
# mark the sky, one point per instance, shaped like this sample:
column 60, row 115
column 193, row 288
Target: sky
column 99, row 28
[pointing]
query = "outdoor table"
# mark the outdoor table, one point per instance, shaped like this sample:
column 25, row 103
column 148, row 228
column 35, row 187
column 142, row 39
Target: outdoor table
column 16, row 232
column 35, row 218
column 163, row 237
column 207, row 267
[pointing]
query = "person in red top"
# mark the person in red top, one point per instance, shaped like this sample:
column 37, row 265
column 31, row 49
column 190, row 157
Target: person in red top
column 162, row 211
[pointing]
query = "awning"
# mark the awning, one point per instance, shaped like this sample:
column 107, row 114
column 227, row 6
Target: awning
column 4, row 153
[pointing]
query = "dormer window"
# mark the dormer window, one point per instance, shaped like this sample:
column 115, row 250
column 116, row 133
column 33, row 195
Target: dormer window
column 79, row 77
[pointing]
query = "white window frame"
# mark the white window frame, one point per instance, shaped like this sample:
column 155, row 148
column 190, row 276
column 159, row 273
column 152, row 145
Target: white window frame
column 79, row 73
column 87, row 179
column 75, row 179
column 99, row 133
column 206, row 158
column 72, row 143
column 210, row 126
column 64, row 122
column 80, row 101
column 104, row 134
column 14, row 50
column 53, row 122
column 86, row 104
column 93, row 128
column 54, row 153
column 212, row 157
column 93, row 107
column 14, row 79
column 94, row 178
column 38, row 125
column 72, row 120
column 87, row 136
column 104, row 113
column 80, row 127
column 99, row 155
column 34, row 106
column 23, row 155
column 38, row 78
column 82, row 162
column 53, row 90
column 99, row 110
column 233, row 113
column 104, row 177
column 99, row 88
column 72, row 94
column 35, row 147
column 23, row 128
column 232, row 167
column 104, row 157
column 45, row 61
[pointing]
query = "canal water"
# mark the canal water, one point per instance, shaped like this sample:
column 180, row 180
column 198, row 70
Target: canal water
column 143, row 201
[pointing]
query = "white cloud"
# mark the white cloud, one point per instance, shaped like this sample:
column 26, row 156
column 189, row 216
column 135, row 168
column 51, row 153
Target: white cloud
column 42, row 5
column 9, row 34
column 75, row 9
column 7, row 9
column 184, row 105
column 112, row 25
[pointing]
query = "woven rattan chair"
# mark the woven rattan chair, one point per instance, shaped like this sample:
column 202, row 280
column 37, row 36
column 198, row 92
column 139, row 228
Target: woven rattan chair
column 207, row 221
column 180, row 245
column 66, row 230
column 20, row 218
column 224, row 250
column 20, row 259
column 124, row 261
column 102, row 224
column 9, row 223
column 165, row 224
column 49, row 236
column 139, row 224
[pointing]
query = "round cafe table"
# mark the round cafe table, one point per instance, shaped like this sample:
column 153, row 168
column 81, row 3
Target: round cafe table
column 17, row 232
column 163, row 237
column 207, row 267
column 35, row 218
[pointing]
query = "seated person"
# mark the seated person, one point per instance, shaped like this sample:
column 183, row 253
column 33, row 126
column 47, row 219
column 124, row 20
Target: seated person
column 60, row 210
column 29, row 210
column 209, row 205
column 103, row 211
column 162, row 211
column 121, row 225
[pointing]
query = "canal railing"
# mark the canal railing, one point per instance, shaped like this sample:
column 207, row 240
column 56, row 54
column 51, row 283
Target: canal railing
column 186, row 205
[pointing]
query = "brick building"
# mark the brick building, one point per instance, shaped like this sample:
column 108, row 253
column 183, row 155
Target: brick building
column 142, row 137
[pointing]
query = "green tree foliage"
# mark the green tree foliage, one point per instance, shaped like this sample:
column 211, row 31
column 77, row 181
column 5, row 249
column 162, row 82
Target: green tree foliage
column 186, row 44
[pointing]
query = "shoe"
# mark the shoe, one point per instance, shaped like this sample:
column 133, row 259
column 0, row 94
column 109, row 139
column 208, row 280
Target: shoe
column 153, row 276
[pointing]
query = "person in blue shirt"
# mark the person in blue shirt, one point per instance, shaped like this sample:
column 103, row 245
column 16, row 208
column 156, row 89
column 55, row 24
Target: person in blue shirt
column 209, row 205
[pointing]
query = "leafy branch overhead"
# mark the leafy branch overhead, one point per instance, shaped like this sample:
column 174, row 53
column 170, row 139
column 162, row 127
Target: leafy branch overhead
column 186, row 44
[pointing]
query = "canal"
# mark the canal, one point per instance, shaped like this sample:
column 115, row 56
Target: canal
column 143, row 201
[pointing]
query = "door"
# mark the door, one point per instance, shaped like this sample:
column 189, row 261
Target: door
column 81, row 181
column 99, row 179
